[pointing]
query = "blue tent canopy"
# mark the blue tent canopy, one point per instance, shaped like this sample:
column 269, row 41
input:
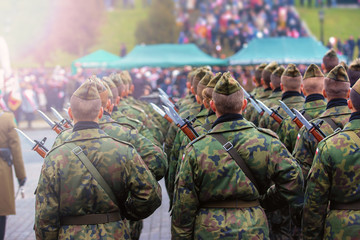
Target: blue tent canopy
column 283, row 50
column 166, row 55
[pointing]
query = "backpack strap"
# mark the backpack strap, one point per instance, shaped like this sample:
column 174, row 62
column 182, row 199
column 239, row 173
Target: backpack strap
column 93, row 171
column 228, row 146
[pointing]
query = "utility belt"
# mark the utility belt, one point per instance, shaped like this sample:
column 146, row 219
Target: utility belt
column 5, row 154
column 230, row 204
column 345, row 206
column 91, row 219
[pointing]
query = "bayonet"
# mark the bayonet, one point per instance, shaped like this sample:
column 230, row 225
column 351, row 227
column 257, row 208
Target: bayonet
column 274, row 114
column 54, row 126
column 291, row 114
column 165, row 95
column 161, row 112
column 165, row 99
column 311, row 127
column 256, row 106
column 35, row 145
column 63, row 121
column 167, row 111
column 183, row 124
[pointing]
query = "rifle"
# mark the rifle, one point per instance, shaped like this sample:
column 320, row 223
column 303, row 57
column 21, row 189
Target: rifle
column 35, row 145
column 165, row 99
column 183, row 124
column 253, row 102
column 293, row 117
column 273, row 113
column 161, row 112
column 54, row 125
column 165, row 95
column 63, row 121
column 311, row 127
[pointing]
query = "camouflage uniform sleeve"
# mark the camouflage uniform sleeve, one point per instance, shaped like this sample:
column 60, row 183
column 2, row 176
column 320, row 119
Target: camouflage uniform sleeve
column 287, row 133
column 304, row 150
column 170, row 136
column 47, row 219
column 144, row 191
column 286, row 174
column 317, row 195
column 185, row 199
column 151, row 154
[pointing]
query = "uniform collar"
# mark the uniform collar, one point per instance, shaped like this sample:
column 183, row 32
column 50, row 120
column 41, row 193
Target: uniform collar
column 228, row 117
column 354, row 116
column 85, row 125
column 336, row 103
column 290, row 94
column 314, row 97
column 277, row 89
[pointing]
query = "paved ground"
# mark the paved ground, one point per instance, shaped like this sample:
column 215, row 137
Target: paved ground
column 20, row 226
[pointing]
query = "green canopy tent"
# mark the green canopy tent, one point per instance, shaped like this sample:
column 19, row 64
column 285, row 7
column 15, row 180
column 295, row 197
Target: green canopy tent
column 166, row 55
column 283, row 50
column 97, row 59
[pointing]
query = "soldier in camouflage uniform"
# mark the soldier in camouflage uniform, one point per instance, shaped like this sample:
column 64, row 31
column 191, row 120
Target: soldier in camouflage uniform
column 214, row 199
column 315, row 104
column 336, row 115
column 334, row 177
column 291, row 83
column 72, row 202
column 181, row 138
column 258, row 90
column 330, row 60
column 354, row 71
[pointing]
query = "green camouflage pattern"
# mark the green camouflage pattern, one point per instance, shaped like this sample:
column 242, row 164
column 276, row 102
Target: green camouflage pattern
column 67, row 188
column 268, row 122
column 339, row 74
column 139, row 114
column 208, row 173
column 305, row 147
column 334, row 176
column 288, row 130
column 250, row 110
column 180, row 142
column 122, row 119
column 271, row 101
column 256, row 91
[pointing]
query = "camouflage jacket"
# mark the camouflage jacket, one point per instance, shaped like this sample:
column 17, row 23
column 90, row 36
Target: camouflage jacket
column 67, row 188
column 250, row 110
column 256, row 91
column 304, row 150
column 180, row 142
column 268, row 122
column 288, row 130
column 151, row 154
column 122, row 119
column 208, row 173
column 139, row 114
column 271, row 101
column 335, row 177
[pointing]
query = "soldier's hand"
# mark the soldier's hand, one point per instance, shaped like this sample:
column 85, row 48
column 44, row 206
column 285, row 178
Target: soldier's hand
column 22, row 181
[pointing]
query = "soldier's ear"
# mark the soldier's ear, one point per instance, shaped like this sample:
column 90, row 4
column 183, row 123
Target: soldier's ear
column 70, row 113
column 101, row 112
column 192, row 90
column 350, row 105
column 348, row 94
column 282, row 87
column 244, row 105
column 212, row 105
column 324, row 93
column 272, row 85
column 117, row 100
column 108, row 104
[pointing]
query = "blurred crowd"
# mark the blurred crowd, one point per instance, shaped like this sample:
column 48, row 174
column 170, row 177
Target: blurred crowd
column 214, row 25
column 346, row 47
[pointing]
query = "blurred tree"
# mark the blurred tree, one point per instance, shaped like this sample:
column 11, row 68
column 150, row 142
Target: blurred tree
column 73, row 28
column 160, row 26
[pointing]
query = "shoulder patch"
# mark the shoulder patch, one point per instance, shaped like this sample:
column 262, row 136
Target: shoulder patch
column 268, row 132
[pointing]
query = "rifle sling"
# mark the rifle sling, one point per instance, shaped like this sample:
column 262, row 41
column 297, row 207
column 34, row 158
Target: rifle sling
column 93, row 171
column 331, row 123
column 355, row 137
column 228, row 146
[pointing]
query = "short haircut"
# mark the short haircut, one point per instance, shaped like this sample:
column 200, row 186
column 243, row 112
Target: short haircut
column 228, row 103
column 115, row 93
column 199, row 90
column 355, row 99
column 291, row 83
column 330, row 62
column 207, row 95
column 258, row 74
column 104, row 96
column 84, row 110
column 275, row 80
column 353, row 76
column 336, row 89
column 313, row 85
column 197, row 78
column 266, row 75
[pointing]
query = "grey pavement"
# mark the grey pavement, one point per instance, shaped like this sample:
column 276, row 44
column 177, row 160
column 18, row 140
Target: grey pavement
column 20, row 226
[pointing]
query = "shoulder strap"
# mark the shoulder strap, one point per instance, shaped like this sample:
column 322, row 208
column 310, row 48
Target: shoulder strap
column 207, row 126
column 94, row 172
column 355, row 137
column 307, row 116
column 235, row 155
column 331, row 123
